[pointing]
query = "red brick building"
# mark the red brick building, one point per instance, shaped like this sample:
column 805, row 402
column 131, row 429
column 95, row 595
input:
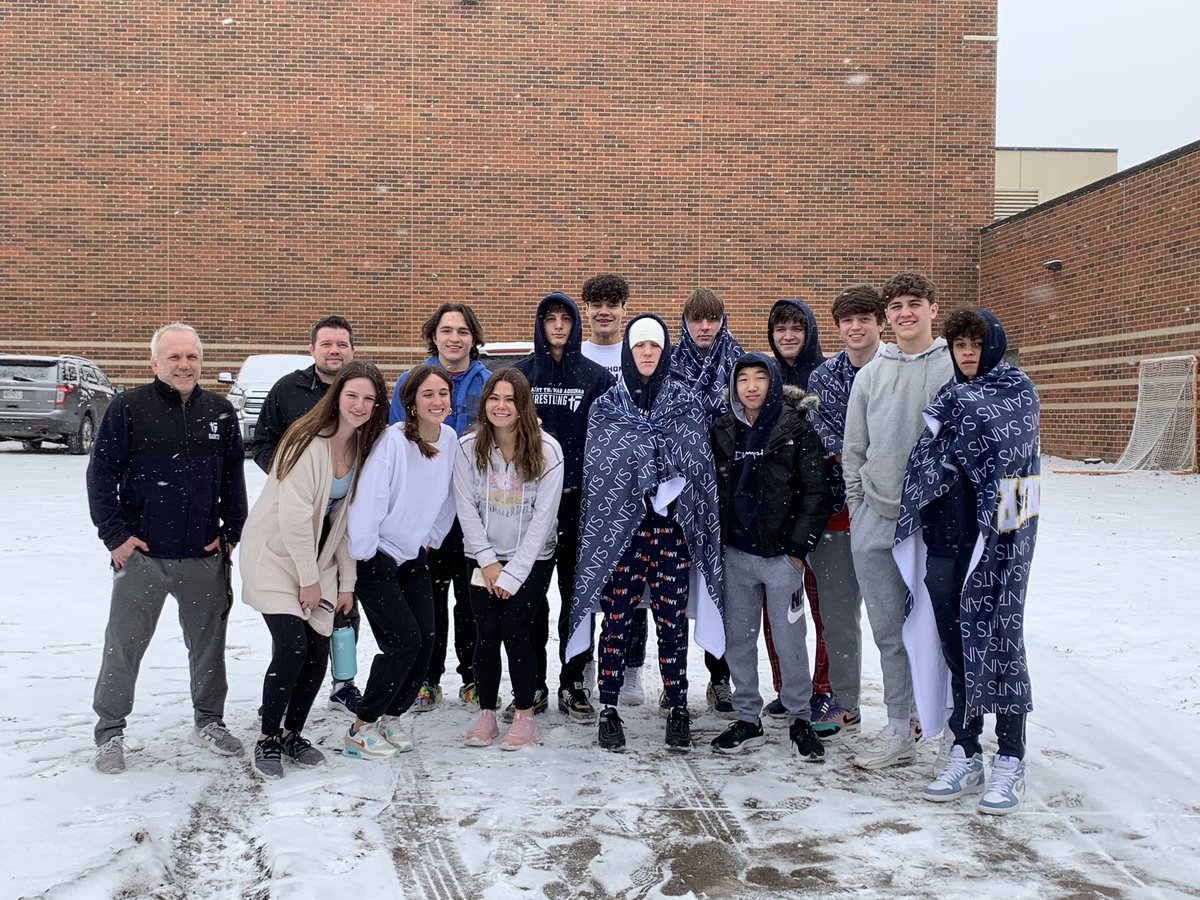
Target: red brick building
column 251, row 166
column 1128, row 290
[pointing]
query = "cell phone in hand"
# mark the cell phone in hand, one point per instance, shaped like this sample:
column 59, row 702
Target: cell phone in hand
column 477, row 578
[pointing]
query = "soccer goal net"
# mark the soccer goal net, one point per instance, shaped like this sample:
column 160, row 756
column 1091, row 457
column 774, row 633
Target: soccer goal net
column 1164, row 424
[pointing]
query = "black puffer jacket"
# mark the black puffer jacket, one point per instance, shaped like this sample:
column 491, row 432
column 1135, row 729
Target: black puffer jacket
column 794, row 498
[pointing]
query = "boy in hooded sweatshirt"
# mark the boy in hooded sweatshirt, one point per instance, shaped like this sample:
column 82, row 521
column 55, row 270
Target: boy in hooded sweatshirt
column 883, row 422
column 792, row 336
column 649, row 520
column 965, row 541
column 775, row 501
column 565, row 384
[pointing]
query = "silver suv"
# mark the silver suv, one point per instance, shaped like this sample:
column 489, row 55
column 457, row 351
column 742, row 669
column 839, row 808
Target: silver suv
column 52, row 398
column 254, row 381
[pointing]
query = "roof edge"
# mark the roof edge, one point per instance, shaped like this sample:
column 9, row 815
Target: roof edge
column 1168, row 157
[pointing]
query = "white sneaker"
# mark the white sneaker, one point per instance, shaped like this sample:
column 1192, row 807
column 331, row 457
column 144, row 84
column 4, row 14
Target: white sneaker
column 959, row 776
column 894, row 748
column 368, row 742
column 945, row 749
column 396, row 733
column 1006, row 790
column 632, row 692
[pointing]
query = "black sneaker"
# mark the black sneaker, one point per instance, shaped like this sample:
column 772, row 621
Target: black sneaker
column 268, row 758
column 720, row 699
column 612, row 732
column 541, row 703
column 346, row 697
column 679, row 730
column 739, row 736
column 574, row 701
column 300, row 750
column 808, row 745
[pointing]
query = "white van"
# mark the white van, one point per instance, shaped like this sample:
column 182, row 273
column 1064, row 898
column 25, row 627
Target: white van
column 254, row 381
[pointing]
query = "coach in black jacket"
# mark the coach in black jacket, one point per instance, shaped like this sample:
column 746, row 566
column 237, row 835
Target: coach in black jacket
column 167, row 494
column 331, row 347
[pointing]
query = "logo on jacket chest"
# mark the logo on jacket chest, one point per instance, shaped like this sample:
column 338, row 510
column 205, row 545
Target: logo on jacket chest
column 214, row 431
column 558, row 396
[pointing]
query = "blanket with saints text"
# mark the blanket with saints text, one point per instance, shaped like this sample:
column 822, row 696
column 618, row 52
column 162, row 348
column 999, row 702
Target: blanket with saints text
column 632, row 464
column 985, row 429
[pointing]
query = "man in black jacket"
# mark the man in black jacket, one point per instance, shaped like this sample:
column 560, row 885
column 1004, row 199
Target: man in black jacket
column 331, row 347
column 564, row 384
column 167, row 494
column 775, row 500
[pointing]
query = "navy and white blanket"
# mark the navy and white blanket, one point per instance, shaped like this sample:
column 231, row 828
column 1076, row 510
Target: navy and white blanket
column 986, row 430
column 633, row 464
column 706, row 372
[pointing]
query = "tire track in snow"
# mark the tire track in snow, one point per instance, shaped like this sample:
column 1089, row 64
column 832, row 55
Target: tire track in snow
column 425, row 856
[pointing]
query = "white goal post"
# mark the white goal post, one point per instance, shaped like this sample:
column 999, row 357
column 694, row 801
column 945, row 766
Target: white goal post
column 1164, row 423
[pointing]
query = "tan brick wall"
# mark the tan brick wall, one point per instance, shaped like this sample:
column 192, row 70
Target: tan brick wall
column 251, row 166
column 1129, row 290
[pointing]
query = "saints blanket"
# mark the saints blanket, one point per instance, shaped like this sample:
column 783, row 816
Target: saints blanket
column 633, row 464
column 985, row 430
column 706, row 372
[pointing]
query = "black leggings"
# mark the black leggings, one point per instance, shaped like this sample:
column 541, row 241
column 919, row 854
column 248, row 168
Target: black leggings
column 509, row 621
column 298, row 657
column 398, row 602
column 944, row 581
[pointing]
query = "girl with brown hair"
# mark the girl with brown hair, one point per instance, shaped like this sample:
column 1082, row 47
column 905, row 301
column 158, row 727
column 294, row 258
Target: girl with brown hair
column 508, row 478
column 295, row 563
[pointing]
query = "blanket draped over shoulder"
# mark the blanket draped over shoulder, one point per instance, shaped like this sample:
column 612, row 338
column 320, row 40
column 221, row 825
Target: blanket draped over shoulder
column 631, row 462
column 986, row 430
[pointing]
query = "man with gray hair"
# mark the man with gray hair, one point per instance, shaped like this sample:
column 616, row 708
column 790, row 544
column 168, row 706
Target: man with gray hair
column 167, row 494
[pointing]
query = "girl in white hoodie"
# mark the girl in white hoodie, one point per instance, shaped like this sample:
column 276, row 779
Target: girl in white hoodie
column 403, row 507
column 508, row 477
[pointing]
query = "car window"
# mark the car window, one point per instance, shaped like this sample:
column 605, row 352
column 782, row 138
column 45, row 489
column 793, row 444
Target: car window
column 70, row 371
column 28, row 370
column 101, row 379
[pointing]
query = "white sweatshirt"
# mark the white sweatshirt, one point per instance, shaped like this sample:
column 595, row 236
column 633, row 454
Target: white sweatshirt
column 404, row 501
column 504, row 519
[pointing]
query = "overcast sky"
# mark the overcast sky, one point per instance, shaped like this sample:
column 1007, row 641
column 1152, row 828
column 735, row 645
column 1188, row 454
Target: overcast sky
column 1099, row 73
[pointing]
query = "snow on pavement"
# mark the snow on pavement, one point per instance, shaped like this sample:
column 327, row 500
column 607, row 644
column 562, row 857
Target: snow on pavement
column 1113, row 807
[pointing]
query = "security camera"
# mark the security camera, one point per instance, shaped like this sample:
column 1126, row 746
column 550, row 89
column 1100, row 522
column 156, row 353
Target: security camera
column 1053, row 265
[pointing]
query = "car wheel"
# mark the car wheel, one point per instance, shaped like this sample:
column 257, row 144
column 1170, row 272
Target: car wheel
column 30, row 446
column 81, row 443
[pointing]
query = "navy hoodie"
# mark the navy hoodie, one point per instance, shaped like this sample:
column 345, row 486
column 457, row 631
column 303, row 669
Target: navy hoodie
column 564, row 390
column 949, row 524
column 810, row 356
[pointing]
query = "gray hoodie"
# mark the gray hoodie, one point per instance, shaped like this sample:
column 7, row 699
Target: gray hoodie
column 883, row 422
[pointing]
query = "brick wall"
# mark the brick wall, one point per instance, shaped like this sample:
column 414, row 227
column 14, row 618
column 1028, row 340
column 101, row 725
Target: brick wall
column 1129, row 289
column 251, row 166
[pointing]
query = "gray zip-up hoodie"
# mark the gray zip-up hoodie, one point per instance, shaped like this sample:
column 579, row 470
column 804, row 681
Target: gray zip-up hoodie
column 883, row 422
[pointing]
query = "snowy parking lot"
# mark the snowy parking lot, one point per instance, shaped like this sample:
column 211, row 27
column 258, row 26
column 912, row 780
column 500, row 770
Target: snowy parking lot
column 1113, row 807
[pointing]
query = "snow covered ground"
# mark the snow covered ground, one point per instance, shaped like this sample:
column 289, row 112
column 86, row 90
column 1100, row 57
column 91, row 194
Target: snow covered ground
column 1113, row 807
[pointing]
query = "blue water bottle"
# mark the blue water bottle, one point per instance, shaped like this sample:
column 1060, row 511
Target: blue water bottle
column 342, row 649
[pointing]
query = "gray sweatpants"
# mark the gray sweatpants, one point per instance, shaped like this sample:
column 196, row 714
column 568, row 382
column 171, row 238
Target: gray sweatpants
column 747, row 578
column 140, row 589
column 885, row 595
column 832, row 563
